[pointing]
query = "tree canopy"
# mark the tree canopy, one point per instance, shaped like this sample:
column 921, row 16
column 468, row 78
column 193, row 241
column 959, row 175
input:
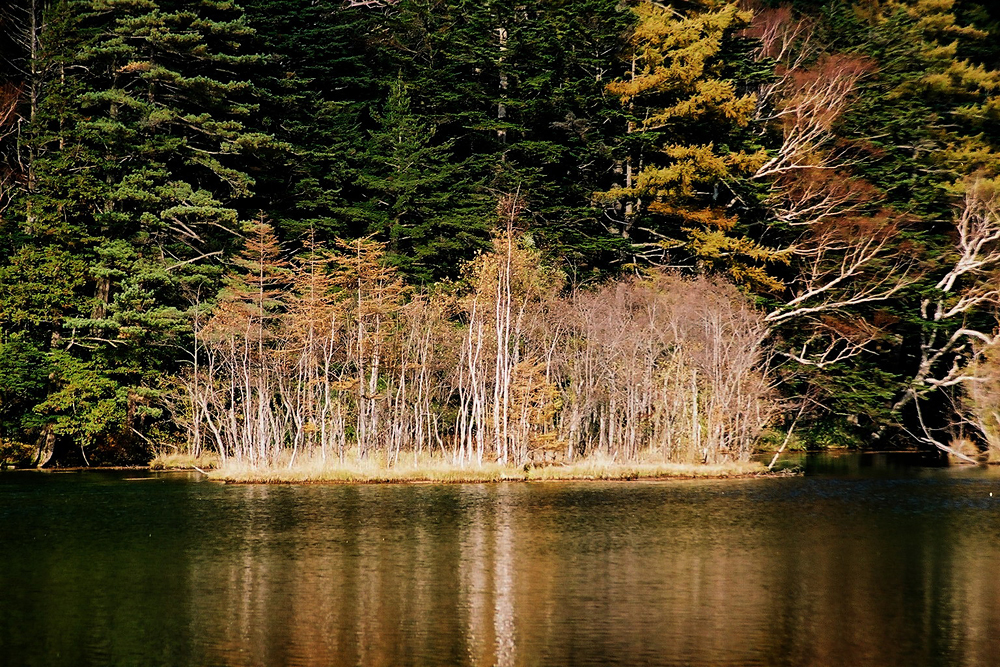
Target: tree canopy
column 836, row 162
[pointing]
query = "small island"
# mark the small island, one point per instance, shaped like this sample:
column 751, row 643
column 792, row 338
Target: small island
column 426, row 469
column 288, row 233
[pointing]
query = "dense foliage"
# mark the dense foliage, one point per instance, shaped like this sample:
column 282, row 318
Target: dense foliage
column 837, row 162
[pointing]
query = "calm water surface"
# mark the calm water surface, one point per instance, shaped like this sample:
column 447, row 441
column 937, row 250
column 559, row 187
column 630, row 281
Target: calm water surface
column 850, row 565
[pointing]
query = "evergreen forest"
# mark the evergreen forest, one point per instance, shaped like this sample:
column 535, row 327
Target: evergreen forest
column 500, row 232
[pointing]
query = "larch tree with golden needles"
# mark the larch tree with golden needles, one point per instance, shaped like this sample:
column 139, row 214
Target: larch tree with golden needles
column 689, row 152
column 239, row 396
column 372, row 293
column 311, row 333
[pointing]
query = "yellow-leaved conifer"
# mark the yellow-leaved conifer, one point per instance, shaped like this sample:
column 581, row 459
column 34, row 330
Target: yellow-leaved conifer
column 689, row 147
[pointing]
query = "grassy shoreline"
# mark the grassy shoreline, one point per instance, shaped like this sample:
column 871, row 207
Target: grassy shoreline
column 427, row 470
column 168, row 462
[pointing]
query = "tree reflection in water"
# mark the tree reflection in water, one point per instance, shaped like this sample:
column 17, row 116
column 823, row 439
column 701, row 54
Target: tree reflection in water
column 804, row 571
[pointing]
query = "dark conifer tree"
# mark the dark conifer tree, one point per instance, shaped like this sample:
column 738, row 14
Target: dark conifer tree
column 142, row 146
column 417, row 198
column 520, row 93
column 322, row 83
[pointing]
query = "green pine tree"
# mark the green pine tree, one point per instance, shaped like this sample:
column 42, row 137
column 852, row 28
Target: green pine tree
column 143, row 142
column 322, row 86
column 418, row 199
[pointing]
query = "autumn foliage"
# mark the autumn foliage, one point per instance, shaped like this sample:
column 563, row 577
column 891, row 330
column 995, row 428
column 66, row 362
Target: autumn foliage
column 329, row 354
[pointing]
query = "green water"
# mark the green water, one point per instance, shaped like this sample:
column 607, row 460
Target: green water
column 853, row 565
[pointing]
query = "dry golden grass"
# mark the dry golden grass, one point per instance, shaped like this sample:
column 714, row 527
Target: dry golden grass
column 410, row 468
column 184, row 462
column 602, row 468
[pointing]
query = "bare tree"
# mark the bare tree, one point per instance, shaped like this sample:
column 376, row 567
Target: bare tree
column 370, row 4
column 960, row 329
column 784, row 37
column 806, row 102
column 9, row 99
column 667, row 366
column 839, row 265
column 330, row 352
column 508, row 284
column 844, row 248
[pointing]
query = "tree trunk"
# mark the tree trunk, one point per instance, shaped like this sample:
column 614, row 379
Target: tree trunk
column 44, row 448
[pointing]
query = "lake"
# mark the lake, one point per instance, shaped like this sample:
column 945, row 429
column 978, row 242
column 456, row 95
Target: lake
column 866, row 560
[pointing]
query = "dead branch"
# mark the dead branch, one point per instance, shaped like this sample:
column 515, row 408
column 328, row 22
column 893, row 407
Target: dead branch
column 370, row 4
column 807, row 104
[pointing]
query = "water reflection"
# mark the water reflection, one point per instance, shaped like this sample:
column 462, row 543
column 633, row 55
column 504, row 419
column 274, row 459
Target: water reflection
column 840, row 570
